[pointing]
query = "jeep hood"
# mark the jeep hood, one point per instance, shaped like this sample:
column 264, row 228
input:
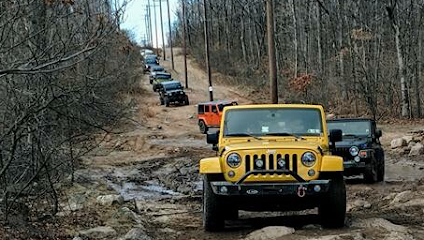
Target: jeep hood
column 348, row 142
column 261, row 144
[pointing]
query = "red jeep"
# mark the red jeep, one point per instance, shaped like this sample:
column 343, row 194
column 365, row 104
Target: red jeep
column 209, row 114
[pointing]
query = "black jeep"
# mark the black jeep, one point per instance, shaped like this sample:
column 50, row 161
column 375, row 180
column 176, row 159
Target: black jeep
column 172, row 92
column 360, row 148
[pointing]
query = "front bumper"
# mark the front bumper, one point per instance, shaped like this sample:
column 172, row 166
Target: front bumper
column 349, row 164
column 301, row 189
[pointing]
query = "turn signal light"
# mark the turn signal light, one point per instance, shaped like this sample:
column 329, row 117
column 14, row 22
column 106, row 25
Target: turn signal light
column 363, row 154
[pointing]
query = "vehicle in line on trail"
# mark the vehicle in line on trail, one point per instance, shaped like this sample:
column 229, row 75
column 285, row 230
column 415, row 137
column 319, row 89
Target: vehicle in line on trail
column 155, row 69
column 145, row 52
column 273, row 158
column 172, row 92
column 149, row 64
column 209, row 114
column 360, row 148
column 156, row 78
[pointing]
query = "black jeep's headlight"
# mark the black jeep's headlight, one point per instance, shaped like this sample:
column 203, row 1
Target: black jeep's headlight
column 354, row 151
column 308, row 159
column 234, row 160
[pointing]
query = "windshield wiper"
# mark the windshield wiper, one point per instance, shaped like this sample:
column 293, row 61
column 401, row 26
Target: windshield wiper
column 350, row 135
column 285, row 134
column 243, row 135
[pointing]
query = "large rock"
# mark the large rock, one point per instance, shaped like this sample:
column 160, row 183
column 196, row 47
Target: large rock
column 125, row 215
column 75, row 202
column 109, row 200
column 269, row 233
column 408, row 139
column 378, row 223
column 398, row 143
column 402, row 197
column 136, row 234
column 358, row 204
column 344, row 236
column 99, row 233
column 416, row 150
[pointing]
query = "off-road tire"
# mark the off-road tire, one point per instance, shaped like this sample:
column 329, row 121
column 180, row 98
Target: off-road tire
column 332, row 210
column 371, row 171
column 151, row 81
column 154, row 88
column 162, row 102
column 381, row 168
column 166, row 101
column 213, row 220
column 202, row 127
column 186, row 102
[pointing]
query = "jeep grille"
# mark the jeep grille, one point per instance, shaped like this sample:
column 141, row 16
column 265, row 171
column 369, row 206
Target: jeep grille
column 270, row 162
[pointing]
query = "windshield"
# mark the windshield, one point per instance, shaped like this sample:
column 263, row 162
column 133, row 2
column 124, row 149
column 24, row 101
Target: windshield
column 273, row 121
column 163, row 76
column 357, row 128
column 158, row 69
column 173, row 86
column 150, row 61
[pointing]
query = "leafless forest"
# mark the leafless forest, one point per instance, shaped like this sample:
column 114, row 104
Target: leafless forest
column 356, row 57
column 63, row 68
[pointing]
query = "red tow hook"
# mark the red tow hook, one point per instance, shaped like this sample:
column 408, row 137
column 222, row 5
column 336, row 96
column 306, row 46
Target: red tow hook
column 301, row 191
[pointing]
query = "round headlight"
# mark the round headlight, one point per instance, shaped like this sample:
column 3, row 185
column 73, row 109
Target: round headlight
column 354, row 151
column 233, row 160
column 308, row 159
column 259, row 163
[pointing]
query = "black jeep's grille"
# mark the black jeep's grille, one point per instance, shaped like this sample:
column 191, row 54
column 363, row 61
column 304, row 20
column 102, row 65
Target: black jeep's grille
column 343, row 152
column 271, row 162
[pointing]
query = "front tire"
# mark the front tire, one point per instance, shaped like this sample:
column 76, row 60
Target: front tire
column 332, row 211
column 371, row 171
column 202, row 126
column 211, row 206
column 381, row 169
column 186, row 102
column 161, row 101
column 166, row 100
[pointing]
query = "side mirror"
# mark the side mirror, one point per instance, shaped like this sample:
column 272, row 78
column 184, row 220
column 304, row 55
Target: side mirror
column 336, row 135
column 378, row 133
column 212, row 138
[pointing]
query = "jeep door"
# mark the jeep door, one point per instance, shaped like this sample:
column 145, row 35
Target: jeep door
column 215, row 116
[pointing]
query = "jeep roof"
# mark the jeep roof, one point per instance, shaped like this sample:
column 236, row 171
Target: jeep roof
column 218, row 102
column 157, row 68
column 171, row 84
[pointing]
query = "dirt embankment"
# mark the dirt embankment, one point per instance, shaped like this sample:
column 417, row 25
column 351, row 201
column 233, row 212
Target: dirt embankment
column 145, row 183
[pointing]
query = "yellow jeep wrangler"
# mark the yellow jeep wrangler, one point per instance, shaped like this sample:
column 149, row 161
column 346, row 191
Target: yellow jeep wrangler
column 273, row 158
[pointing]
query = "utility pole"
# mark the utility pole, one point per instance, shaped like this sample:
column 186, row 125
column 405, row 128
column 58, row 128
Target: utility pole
column 156, row 30
column 161, row 28
column 271, row 51
column 170, row 36
column 208, row 66
column 185, row 44
column 150, row 23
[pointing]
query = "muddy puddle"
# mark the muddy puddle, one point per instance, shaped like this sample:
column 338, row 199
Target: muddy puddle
column 148, row 190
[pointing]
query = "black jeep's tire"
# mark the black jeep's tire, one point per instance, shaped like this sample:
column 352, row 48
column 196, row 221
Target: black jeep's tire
column 166, row 101
column 212, row 218
column 332, row 211
column 371, row 171
column 151, row 81
column 154, row 88
column 162, row 102
column 202, row 126
column 381, row 168
column 186, row 102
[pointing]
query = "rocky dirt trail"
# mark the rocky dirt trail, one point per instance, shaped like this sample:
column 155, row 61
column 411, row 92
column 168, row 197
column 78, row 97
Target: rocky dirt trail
column 144, row 183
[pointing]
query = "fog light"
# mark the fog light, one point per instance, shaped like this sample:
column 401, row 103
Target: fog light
column 231, row 174
column 224, row 189
column 317, row 188
column 259, row 163
column 357, row 159
column 311, row 172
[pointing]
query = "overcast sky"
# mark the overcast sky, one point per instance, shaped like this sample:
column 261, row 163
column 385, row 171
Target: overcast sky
column 135, row 14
